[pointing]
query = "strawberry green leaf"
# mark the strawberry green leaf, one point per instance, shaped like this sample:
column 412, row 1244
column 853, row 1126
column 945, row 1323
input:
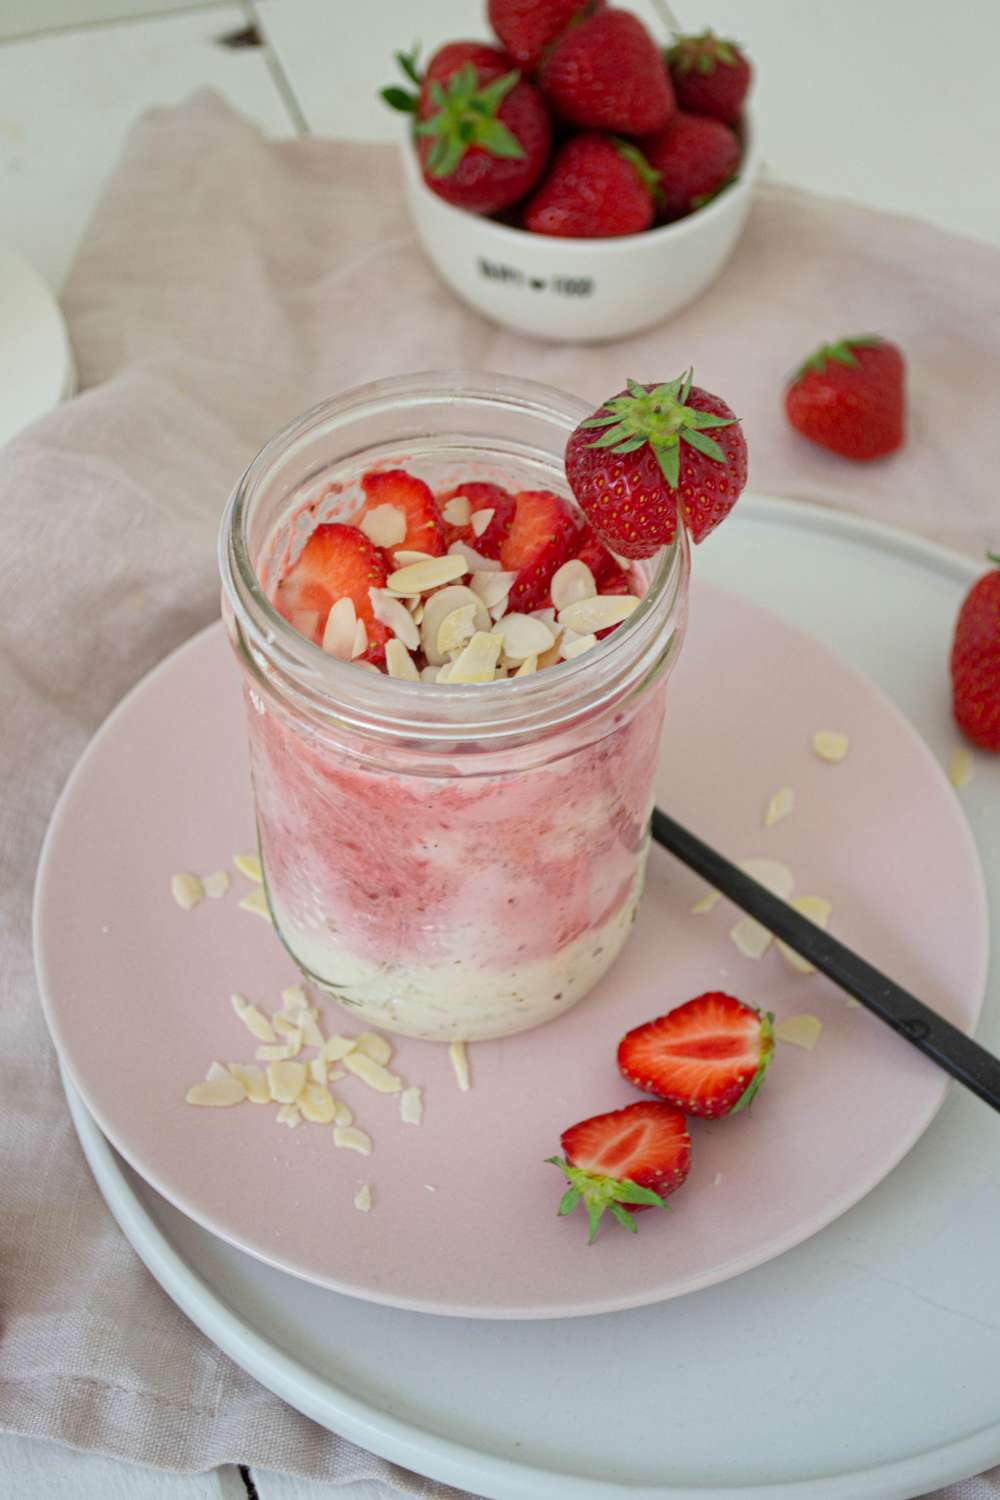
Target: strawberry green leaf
column 499, row 141
column 994, row 557
column 705, row 64
column 628, row 1191
column 766, row 1058
column 624, row 1217
column 397, row 98
column 631, row 445
column 700, row 420
column 635, row 389
column 493, row 95
column 569, row 1200
column 604, row 421
column 704, row 444
column 595, row 1212
column 408, row 63
column 669, row 462
column 613, row 436
column 684, row 393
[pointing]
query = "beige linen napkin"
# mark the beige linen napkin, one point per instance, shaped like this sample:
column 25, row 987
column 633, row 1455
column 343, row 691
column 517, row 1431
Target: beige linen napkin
column 225, row 284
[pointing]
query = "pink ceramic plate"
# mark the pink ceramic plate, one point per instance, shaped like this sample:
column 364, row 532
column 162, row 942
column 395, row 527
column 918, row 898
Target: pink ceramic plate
column 464, row 1223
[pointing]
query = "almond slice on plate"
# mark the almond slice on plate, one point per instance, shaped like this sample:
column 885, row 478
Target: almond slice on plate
column 411, row 1106
column 249, row 865
column 352, row 1138
column 460, row 1064
column 289, row 1115
column 780, row 805
column 363, row 1198
column 706, row 903
column 799, row 1031
column 818, row 910
column 257, row 903
column 217, row 884
column 187, row 890
column 372, row 1073
column 830, row 745
column 254, row 1080
column 751, row 938
column 217, row 1093
column 960, row 768
column 286, row 1080
column 374, row 1046
column 253, row 1019
column 316, row 1103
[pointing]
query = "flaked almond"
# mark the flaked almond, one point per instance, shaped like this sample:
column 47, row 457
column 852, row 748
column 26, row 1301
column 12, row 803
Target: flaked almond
column 279, row 1052
column 475, row 562
column 285, row 1026
column 437, row 607
column 553, row 656
column 830, row 745
column 254, row 1080
column 316, row 1104
column 456, row 628
column 385, row 525
column 217, row 884
column 374, row 1046
column 751, row 938
column 780, row 805
column 318, row 1070
column 799, row 1031
column 253, row 1019
column 959, row 768
column 771, row 874
column 547, row 617
column 249, row 865
column 289, row 1115
column 399, row 663
column 342, row 1113
column 187, row 890
column 352, row 1138
column 499, row 610
column 394, row 615
column 411, row 1106
column 429, row 674
column 218, row 1093
column 338, row 633
column 604, row 610
column 294, row 997
column 460, row 1063
column 406, row 555
column 478, row 661
column 286, row 1080
column 492, row 589
column 577, row 645
column 523, row 637
column 360, row 640
column 481, row 520
column 457, row 511
column 336, row 1047
column 416, row 608
column 256, row 902
column 529, row 665
column 417, row 578
column 706, row 903
column 372, row 1073
column 215, row 1071
column 817, row 909
column 571, row 583
column 363, row 1196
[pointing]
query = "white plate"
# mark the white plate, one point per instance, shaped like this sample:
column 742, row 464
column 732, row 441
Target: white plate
column 859, row 1366
column 36, row 364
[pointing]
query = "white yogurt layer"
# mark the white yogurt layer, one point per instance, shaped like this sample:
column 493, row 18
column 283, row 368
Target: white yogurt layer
column 458, row 998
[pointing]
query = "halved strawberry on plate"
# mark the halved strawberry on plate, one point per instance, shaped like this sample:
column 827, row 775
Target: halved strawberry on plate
column 707, row 1057
column 337, row 562
column 636, row 1156
column 492, row 505
column 543, row 536
column 417, row 526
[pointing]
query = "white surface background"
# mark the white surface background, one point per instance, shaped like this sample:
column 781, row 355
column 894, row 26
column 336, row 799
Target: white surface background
column 889, row 102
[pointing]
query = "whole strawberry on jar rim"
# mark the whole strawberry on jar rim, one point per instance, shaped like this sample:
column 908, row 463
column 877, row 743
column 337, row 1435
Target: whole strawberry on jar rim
column 975, row 662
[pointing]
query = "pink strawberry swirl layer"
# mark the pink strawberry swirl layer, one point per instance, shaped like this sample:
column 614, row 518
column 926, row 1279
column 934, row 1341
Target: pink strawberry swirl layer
column 456, row 907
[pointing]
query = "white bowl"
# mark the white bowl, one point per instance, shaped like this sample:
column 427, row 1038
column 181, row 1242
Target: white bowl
column 574, row 289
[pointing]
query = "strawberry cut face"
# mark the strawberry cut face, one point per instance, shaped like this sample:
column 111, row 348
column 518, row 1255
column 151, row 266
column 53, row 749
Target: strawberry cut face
column 336, row 562
column 482, row 497
column 424, row 527
column 543, row 536
column 707, row 1057
column 635, row 1156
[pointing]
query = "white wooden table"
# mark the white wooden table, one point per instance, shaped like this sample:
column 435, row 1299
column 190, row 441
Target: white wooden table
column 883, row 101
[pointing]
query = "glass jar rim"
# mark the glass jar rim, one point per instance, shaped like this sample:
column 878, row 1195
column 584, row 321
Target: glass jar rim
column 389, row 707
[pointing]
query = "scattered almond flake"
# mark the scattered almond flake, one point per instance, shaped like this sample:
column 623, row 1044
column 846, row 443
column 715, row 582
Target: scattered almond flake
column 577, row 646
column 253, row 1019
column 492, row 588
column 256, row 902
column 294, row 997
column 281, row 1052
column 553, row 656
column 529, row 665
column 406, row 555
column 475, row 562
column 706, row 903
column 352, row 1138
column 378, row 1048
column 717, row 1179
column 217, row 884
column 523, row 637
column 547, row 617
column 416, row 608
column 338, row 633
column 394, row 615
column 187, row 891
column 456, row 628
column 254, row 1080
column 429, row 674
column 751, row 938
column 853, row 1004
column 286, row 1027
column 286, row 1080
column 399, row 663
column 372, row 1073
column 455, row 596
column 771, row 874
column 336, row 1075
column 411, row 1106
column 249, row 865
column 960, row 767
column 316, row 1104
column 430, row 1187
column 499, row 610
column 830, row 745
column 818, row 910
column 458, row 511
column 417, row 578
column 478, row 661
column 216, row 1070
column 335, row 1047
column 219, row 1093
column 604, row 610
column 289, row 1115
column 317, row 1070
column 460, row 1063
column 342, row 1113
column 780, row 805
column 363, row 1196
column 443, row 673
column 799, row 1031
column 481, row 520
column 572, row 582
column 312, row 1036
column 385, row 525
column 360, row 640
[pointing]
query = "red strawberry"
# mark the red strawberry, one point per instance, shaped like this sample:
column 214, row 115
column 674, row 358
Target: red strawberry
column 710, row 76
column 707, row 1057
column 695, row 158
column 653, row 460
column 598, row 559
column 482, row 497
column 542, row 538
column 637, row 1155
column 848, row 397
column 975, row 662
column 489, row 63
column 337, row 562
column 595, row 188
column 424, row 528
column 527, row 27
column 607, row 74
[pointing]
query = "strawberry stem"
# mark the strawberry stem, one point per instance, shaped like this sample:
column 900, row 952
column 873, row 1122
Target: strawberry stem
column 840, row 350
column 601, row 1194
column 467, row 116
column 658, row 416
column 766, row 1058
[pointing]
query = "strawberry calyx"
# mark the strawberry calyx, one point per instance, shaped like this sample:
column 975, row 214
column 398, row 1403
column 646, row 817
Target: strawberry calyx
column 648, row 175
column 702, row 53
column 766, row 1058
column 994, row 557
column 466, row 115
column 402, row 99
column 658, row 416
column 841, row 351
column 600, row 1194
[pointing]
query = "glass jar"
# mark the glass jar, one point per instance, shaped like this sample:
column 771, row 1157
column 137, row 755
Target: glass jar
column 450, row 862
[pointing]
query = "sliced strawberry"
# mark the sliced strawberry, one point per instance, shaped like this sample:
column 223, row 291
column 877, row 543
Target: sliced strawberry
column 543, row 537
column 337, row 562
column 482, row 496
column 707, row 1057
column 598, row 559
column 636, row 1155
column 424, row 527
